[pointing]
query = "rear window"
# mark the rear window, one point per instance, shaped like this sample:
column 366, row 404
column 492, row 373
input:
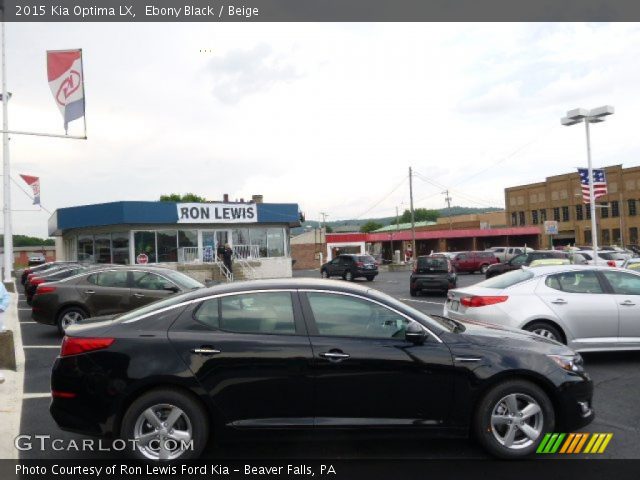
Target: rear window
column 507, row 279
column 433, row 264
column 366, row 259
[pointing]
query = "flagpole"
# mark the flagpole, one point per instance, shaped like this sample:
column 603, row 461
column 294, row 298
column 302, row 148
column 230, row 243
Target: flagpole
column 592, row 200
column 6, row 169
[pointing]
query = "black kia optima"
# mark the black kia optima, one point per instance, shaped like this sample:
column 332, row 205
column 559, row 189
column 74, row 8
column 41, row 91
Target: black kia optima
column 305, row 354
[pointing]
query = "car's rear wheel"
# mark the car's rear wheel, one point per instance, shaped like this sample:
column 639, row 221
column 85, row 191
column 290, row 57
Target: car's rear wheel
column 512, row 418
column 165, row 425
column 70, row 316
column 546, row 330
column 348, row 276
column 324, row 274
column 413, row 292
column 483, row 269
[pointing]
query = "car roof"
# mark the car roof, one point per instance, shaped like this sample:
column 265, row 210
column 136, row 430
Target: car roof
column 542, row 270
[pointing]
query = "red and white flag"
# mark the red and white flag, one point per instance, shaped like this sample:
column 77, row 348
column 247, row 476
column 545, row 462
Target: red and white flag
column 34, row 183
column 64, row 69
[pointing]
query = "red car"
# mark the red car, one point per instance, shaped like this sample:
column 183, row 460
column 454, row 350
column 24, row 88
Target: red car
column 474, row 261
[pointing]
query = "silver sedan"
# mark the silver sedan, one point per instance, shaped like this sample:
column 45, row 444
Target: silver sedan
column 586, row 307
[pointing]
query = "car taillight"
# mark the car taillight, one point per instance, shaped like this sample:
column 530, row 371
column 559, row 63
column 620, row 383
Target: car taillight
column 359, row 264
column 37, row 281
column 76, row 345
column 611, row 263
column 27, row 271
column 42, row 289
column 482, row 301
column 30, row 276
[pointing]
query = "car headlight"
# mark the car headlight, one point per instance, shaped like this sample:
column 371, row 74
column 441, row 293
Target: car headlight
column 570, row 363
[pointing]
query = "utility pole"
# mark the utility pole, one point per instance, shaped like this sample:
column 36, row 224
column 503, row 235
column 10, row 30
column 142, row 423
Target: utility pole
column 413, row 217
column 324, row 220
column 447, row 199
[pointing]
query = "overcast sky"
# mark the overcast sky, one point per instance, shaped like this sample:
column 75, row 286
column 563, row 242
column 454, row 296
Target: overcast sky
column 329, row 116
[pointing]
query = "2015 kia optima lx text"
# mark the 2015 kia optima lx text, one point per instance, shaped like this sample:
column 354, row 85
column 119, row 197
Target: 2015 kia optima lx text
column 317, row 355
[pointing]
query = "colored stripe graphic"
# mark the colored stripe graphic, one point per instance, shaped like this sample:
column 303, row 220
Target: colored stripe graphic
column 573, row 443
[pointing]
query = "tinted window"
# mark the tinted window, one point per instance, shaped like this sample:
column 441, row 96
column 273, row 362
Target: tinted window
column 498, row 250
column 366, row 259
column 462, row 256
column 150, row 281
column 269, row 312
column 208, row 313
column 574, row 282
column 345, row 316
column 433, row 264
column 507, row 279
column 114, row 279
column 623, row 283
column 519, row 260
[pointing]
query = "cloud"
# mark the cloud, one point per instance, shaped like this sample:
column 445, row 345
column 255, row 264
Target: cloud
column 500, row 98
column 245, row 72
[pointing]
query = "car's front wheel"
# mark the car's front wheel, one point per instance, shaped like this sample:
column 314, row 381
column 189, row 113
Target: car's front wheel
column 483, row 269
column 165, row 425
column 324, row 274
column 70, row 316
column 512, row 418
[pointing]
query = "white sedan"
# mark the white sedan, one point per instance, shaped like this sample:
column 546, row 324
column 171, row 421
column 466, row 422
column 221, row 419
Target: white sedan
column 589, row 308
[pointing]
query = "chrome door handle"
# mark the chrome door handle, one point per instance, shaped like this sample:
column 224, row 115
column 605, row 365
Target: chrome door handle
column 205, row 351
column 138, row 295
column 628, row 303
column 559, row 301
column 90, row 292
column 335, row 355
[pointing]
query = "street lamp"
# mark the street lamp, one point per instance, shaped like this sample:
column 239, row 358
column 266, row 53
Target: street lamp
column 595, row 115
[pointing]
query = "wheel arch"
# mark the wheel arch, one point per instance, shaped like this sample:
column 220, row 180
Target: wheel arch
column 67, row 305
column 550, row 322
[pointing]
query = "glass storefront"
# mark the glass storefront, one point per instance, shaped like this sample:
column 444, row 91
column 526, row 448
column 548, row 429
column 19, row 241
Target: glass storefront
column 167, row 246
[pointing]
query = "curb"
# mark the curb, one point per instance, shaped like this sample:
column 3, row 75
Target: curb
column 12, row 389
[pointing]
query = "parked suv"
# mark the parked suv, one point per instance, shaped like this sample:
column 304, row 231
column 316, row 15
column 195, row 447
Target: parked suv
column 432, row 272
column 524, row 259
column 505, row 254
column 350, row 267
column 474, row 261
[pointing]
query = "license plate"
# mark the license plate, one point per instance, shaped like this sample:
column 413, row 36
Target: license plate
column 454, row 305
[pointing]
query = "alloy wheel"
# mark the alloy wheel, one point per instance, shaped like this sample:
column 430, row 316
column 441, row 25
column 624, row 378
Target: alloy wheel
column 517, row 421
column 162, row 432
column 70, row 318
column 348, row 276
column 543, row 332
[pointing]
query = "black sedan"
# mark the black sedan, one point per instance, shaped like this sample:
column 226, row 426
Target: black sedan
column 309, row 355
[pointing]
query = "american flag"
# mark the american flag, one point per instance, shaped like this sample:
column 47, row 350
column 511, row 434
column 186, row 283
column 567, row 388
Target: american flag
column 599, row 183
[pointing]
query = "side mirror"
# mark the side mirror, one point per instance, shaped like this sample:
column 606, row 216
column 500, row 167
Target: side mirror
column 415, row 333
column 172, row 288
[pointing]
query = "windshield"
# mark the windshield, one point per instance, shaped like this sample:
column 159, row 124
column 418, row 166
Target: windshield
column 506, row 279
column 433, row 264
column 183, row 280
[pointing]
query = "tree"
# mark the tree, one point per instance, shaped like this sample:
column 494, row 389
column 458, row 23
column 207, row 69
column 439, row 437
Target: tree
column 421, row 215
column 26, row 241
column 186, row 198
column 370, row 226
column 328, row 229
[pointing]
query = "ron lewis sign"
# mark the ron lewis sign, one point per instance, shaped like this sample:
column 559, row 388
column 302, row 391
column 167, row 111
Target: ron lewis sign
column 217, row 213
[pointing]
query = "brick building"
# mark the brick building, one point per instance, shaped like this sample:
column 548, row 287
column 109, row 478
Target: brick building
column 559, row 198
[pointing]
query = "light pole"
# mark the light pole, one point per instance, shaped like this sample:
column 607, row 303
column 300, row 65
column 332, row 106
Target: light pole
column 595, row 115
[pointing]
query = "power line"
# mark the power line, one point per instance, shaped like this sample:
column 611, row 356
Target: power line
column 404, row 179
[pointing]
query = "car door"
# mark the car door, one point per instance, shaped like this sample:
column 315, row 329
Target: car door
column 334, row 266
column 366, row 373
column 625, row 288
column 578, row 299
column 147, row 287
column 105, row 293
column 250, row 352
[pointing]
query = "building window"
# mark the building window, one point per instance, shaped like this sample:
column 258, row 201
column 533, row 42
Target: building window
column 616, row 236
column 587, row 210
column 514, row 219
column 120, row 247
column 543, row 215
column 556, row 214
column 534, row 217
column 187, row 238
column 275, row 242
column 565, row 214
column 587, row 237
column 615, row 209
column 240, row 236
column 85, row 248
column 579, row 214
column 606, row 237
column 102, row 247
column 258, row 236
column 632, row 207
column 521, row 216
column 633, row 235
column 167, row 242
column 604, row 212
column 145, row 242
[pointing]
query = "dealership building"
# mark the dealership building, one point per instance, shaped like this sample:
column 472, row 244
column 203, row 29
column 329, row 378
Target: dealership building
column 184, row 236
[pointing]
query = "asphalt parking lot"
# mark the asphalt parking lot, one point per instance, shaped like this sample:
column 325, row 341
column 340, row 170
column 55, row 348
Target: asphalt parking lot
column 616, row 377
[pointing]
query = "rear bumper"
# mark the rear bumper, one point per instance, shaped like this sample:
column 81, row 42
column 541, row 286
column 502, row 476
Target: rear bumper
column 432, row 284
column 360, row 272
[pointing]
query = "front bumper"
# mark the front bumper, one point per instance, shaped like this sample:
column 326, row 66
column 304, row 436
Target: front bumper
column 575, row 405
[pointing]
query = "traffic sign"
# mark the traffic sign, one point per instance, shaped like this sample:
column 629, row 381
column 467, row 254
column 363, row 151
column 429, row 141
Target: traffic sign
column 551, row 227
column 142, row 259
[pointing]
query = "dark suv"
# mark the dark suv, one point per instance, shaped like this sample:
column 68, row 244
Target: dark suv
column 432, row 272
column 350, row 267
column 474, row 261
column 524, row 259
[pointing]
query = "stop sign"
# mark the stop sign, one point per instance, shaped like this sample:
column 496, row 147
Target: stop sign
column 142, row 258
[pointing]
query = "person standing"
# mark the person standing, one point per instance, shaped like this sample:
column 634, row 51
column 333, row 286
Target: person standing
column 5, row 298
column 227, row 254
